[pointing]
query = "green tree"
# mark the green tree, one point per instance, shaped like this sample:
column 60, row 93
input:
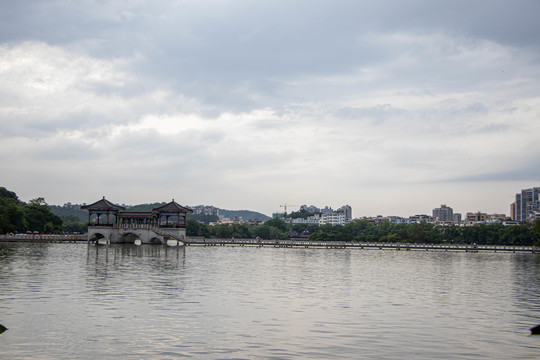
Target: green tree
column 195, row 228
column 222, row 231
column 517, row 235
column 40, row 218
column 12, row 215
column 536, row 229
column 277, row 223
column 74, row 227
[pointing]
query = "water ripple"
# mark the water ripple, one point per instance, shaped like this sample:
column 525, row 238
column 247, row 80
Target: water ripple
column 79, row 302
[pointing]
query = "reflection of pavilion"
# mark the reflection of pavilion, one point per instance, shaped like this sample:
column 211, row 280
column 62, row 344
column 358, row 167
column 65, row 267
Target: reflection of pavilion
column 114, row 224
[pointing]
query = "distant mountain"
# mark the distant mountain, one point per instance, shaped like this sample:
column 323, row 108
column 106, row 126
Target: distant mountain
column 244, row 214
column 73, row 211
column 145, row 207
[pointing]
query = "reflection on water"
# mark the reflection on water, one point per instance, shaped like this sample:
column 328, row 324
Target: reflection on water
column 103, row 257
column 124, row 301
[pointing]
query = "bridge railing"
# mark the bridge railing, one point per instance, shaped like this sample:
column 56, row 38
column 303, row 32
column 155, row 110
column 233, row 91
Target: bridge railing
column 147, row 226
column 359, row 245
column 42, row 237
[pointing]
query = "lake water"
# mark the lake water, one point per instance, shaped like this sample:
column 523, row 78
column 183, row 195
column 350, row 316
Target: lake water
column 73, row 301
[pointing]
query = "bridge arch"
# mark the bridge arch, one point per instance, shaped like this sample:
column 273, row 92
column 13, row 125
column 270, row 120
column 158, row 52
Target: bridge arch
column 96, row 236
column 156, row 241
column 128, row 238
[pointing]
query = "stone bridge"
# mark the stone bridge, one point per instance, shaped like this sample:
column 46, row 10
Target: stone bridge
column 109, row 223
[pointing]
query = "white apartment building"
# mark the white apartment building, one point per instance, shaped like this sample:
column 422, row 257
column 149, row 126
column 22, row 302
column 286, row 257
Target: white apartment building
column 334, row 218
column 312, row 220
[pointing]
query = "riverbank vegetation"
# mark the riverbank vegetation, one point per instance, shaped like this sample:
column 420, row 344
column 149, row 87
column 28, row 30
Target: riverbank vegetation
column 18, row 216
column 364, row 231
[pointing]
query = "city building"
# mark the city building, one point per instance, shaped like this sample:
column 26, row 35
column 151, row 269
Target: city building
column 483, row 217
column 327, row 210
column 333, row 218
column 226, row 221
column 525, row 205
column 320, row 216
column 443, row 214
column 310, row 220
column 205, row 210
column 420, row 218
column 347, row 211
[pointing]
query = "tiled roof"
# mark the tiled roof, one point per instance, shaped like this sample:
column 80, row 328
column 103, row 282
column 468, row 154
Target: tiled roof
column 103, row 204
column 172, row 207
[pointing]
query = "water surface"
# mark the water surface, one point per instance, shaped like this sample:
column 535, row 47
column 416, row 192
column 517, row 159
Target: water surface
column 73, row 301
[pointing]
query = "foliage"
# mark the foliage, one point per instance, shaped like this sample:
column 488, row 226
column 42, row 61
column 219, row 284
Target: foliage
column 300, row 214
column 536, row 229
column 203, row 218
column 146, row 207
column 72, row 213
column 364, row 231
column 17, row 216
column 74, row 227
column 277, row 223
column 195, row 228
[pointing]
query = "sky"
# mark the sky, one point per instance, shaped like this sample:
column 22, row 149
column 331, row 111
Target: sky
column 392, row 107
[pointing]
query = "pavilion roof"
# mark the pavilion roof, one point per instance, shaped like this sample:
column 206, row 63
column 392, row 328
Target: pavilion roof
column 104, row 205
column 173, row 207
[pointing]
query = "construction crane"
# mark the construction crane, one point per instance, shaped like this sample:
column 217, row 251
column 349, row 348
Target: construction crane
column 284, row 206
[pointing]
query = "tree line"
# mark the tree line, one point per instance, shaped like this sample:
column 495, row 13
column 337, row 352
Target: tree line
column 364, row 231
column 18, row 216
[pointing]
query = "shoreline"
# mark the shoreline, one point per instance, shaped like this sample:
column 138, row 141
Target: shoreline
column 197, row 241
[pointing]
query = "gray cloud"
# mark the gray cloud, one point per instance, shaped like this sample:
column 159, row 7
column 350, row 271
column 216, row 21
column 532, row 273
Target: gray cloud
column 237, row 54
column 239, row 96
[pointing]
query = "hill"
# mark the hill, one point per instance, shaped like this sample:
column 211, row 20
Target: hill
column 70, row 212
column 244, row 214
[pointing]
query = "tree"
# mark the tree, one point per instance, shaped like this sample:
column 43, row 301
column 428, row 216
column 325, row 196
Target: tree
column 195, row 228
column 517, row 235
column 277, row 223
column 6, row 194
column 12, row 215
column 37, row 202
column 536, row 229
column 222, row 231
column 40, row 218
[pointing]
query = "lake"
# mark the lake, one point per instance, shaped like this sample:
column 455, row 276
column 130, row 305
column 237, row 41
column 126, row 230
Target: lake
column 74, row 301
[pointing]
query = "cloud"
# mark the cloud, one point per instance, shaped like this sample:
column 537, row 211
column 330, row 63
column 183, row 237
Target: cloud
column 237, row 101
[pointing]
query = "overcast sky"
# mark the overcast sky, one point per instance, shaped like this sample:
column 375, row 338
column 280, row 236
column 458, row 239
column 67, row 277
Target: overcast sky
column 392, row 107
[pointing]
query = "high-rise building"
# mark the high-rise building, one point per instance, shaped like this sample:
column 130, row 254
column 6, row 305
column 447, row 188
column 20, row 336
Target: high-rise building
column 443, row 214
column 526, row 204
column 347, row 210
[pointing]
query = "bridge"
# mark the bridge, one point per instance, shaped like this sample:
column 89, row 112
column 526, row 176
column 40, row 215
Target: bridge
column 199, row 241
column 109, row 223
